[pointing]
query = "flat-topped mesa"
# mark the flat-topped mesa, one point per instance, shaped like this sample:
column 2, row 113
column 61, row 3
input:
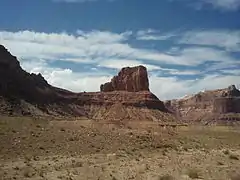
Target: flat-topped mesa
column 208, row 106
column 131, row 79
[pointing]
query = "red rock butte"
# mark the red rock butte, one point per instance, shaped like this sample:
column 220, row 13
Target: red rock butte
column 126, row 97
column 131, row 79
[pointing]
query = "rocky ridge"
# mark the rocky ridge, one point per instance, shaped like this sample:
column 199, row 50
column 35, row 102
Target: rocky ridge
column 208, row 106
column 127, row 98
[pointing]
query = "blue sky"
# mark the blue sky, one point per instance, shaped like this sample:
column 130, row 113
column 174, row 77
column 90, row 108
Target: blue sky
column 187, row 45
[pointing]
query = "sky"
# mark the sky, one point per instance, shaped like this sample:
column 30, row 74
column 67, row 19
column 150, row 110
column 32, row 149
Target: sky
column 187, row 45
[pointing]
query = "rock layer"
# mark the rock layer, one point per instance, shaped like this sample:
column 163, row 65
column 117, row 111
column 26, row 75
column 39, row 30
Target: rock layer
column 207, row 106
column 128, row 79
column 127, row 97
column 226, row 105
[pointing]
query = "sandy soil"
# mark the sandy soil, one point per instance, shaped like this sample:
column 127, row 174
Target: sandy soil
column 34, row 148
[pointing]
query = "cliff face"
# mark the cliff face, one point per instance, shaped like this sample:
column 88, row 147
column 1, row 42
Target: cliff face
column 16, row 83
column 133, row 79
column 228, row 102
column 207, row 106
column 126, row 97
column 226, row 105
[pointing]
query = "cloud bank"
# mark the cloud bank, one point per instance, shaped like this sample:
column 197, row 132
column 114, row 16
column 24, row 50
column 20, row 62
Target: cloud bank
column 223, row 5
column 84, row 60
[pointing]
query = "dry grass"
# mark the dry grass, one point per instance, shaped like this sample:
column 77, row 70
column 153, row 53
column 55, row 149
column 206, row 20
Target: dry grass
column 87, row 150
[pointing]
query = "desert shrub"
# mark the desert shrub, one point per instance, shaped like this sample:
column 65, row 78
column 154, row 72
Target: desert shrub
column 38, row 126
column 41, row 173
column 114, row 178
column 233, row 156
column 220, row 163
column 166, row 177
column 193, row 174
column 28, row 172
column 27, row 159
column 77, row 164
column 226, row 152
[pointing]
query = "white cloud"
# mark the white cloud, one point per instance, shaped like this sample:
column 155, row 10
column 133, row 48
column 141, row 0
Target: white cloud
column 230, row 40
column 171, row 87
column 224, row 4
column 96, row 46
column 153, row 35
column 66, row 78
column 185, row 72
column 104, row 36
column 73, row 81
column 199, row 55
column 112, row 50
column 119, row 63
column 231, row 71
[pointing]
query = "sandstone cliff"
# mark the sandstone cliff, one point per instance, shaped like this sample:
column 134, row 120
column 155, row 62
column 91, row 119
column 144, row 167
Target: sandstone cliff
column 127, row 97
column 128, row 79
column 208, row 107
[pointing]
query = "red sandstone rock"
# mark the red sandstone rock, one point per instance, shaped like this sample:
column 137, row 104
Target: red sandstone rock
column 30, row 94
column 207, row 106
column 133, row 79
column 126, row 97
column 135, row 99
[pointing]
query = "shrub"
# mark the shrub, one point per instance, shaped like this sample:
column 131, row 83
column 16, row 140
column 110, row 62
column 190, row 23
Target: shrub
column 226, row 152
column 166, row 177
column 193, row 174
column 233, row 156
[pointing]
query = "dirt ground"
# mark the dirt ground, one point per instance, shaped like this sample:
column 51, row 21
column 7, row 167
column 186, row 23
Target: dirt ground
column 44, row 149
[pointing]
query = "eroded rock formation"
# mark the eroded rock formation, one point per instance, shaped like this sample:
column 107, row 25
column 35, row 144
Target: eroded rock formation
column 207, row 106
column 129, row 79
column 126, row 97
